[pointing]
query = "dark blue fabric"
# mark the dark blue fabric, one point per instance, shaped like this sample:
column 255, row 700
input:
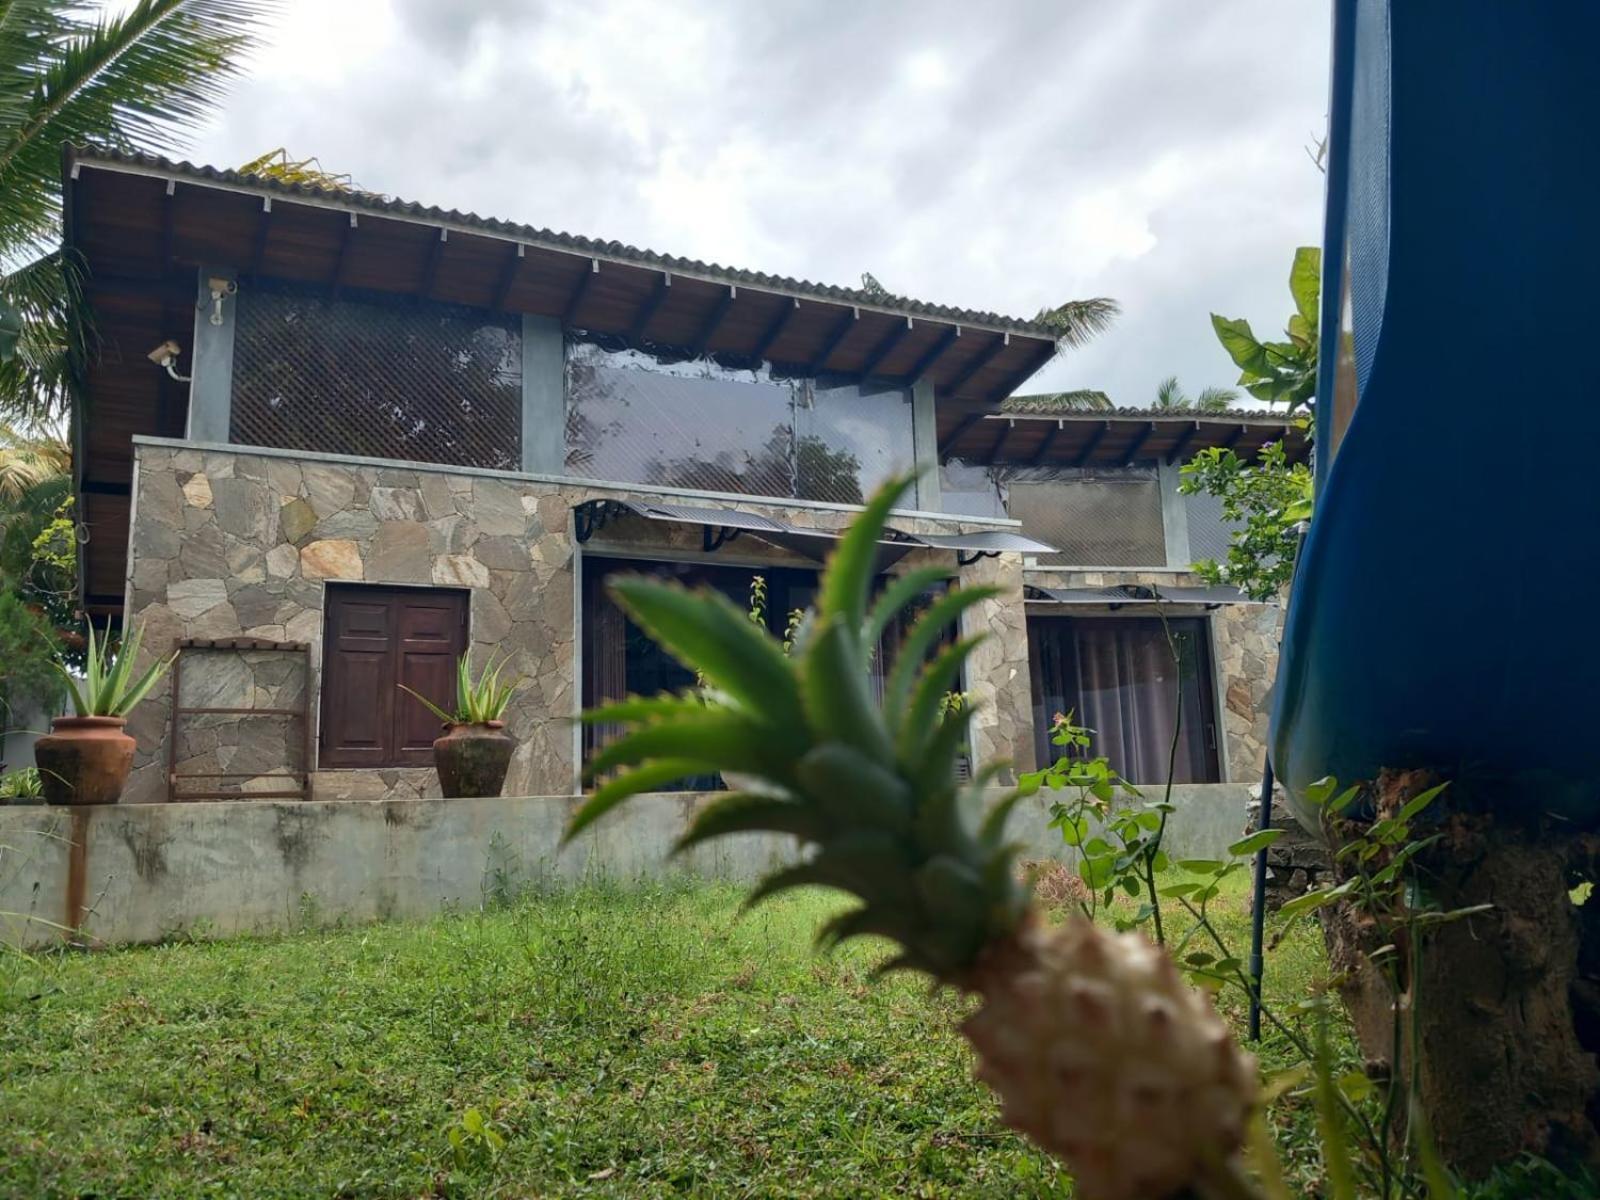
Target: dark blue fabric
column 1442, row 614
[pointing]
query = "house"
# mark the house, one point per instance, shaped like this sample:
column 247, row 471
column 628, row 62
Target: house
column 333, row 440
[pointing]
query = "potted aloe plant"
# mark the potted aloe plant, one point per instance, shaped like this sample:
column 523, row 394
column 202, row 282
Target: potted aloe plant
column 85, row 758
column 473, row 755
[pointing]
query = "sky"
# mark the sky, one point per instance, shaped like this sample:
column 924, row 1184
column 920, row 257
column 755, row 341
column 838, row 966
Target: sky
column 1001, row 156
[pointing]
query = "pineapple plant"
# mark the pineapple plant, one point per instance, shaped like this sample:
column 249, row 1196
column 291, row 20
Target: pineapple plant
column 1096, row 1048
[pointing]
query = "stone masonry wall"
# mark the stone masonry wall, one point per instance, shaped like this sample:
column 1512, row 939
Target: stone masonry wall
column 1245, row 649
column 229, row 543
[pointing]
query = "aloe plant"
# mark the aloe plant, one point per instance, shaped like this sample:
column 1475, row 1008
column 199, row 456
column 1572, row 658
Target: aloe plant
column 108, row 688
column 477, row 700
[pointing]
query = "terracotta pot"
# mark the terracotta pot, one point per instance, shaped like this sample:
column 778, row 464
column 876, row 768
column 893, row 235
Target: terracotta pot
column 84, row 760
column 472, row 760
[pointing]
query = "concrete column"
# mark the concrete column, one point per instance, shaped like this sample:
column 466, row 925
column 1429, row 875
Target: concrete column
column 211, row 362
column 925, row 445
column 544, row 397
column 1174, row 518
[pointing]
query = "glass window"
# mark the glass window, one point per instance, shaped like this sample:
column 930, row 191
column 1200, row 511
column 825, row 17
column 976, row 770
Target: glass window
column 1210, row 533
column 1097, row 518
column 1122, row 678
column 696, row 424
column 421, row 383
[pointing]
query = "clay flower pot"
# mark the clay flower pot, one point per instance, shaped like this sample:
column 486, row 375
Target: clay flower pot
column 84, row 760
column 472, row 759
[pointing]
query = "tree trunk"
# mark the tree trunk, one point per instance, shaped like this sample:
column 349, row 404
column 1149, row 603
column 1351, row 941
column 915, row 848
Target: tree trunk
column 1504, row 1005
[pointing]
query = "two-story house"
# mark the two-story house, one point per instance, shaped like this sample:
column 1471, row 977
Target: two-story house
column 347, row 438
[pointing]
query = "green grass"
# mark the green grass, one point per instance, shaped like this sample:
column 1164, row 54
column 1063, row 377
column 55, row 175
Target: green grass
column 621, row 1043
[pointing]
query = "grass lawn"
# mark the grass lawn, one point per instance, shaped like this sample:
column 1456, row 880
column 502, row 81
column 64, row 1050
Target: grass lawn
column 614, row 1043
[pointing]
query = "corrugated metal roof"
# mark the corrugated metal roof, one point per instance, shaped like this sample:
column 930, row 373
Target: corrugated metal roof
column 554, row 239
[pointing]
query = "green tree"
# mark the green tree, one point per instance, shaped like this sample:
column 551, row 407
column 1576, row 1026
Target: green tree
column 1280, row 372
column 77, row 73
column 1171, row 398
column 1266, row 499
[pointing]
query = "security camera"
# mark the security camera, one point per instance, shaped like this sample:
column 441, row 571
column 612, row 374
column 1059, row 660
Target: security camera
column 166, row 355
column 220, row 286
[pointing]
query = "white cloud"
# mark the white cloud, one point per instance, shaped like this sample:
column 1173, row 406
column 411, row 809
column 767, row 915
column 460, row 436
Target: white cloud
column 1004, row 157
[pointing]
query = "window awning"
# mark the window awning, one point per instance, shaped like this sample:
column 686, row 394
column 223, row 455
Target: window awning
column 721, row 525
column 1138, row 593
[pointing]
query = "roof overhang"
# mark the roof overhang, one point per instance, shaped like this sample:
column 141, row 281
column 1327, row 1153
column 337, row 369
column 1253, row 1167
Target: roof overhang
column 1084, row 439
column 1121, row 595
column 719, row 526
column 140, row 219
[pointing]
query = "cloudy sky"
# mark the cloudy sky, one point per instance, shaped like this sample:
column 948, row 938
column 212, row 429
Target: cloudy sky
column 1000, row 156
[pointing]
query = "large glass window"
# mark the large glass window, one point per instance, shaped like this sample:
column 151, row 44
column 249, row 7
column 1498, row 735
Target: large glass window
column 1122, row 678
column 421, row 383
column 696, row 424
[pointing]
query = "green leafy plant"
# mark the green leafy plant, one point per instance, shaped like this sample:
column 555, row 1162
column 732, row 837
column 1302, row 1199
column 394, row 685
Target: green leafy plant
column 478, row 701
column 1281, row 372
column 22, row 784
column 1266, row 499
column 108, row 687
column 474, row 1141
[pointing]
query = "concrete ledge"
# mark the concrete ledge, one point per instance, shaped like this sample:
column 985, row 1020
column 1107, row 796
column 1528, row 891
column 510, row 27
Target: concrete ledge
column 145, row 872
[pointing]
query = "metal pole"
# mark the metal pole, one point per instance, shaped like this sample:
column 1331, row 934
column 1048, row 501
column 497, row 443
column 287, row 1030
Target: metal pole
column 1258, row 911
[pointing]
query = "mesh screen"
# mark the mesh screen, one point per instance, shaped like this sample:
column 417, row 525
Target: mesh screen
column 1209, row 531
column 421, row 384
column 1097, row 520
column 695, row 424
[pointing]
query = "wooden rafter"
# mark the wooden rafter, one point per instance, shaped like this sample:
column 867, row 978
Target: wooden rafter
column 580, row 290
column 841, row 330
column 430, row 267
column 258, row 247
column 336, row 279
column 1092, row 444
column 933, row 354
column 966, row 423
column 1043, row 355
column 996, row 450
column 1044, row 446
column 887, row 346
column 1138, row 442
column 508, row 277
column 979, row 361
column 1182, row 443
column 713, row 322
column 652, row 304
column 779, row 326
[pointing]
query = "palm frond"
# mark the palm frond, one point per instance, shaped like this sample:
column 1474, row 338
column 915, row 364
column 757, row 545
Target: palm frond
column 1216, row 399
column 1169, row 395
column 55, row 338
column 1082, row 400
column 131, row 81
column 1077, row 322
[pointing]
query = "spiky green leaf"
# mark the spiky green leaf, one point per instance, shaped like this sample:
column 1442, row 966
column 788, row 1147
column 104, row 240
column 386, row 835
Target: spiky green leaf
column 902, row 590
column 853, row 791
column 705, row 632
column 838, row 699
column 924, row 636
column 723, row 739
column 741, row 812
column 848, row 578
column 654, row 775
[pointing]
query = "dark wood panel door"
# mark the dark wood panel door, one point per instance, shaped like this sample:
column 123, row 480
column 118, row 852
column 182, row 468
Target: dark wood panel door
column 374, row 640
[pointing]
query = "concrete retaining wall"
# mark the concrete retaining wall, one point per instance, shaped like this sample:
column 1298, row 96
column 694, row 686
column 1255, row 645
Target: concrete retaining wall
column 145, row 872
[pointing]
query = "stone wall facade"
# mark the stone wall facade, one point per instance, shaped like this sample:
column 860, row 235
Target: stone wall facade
column 242, row 542
column 1244, row 651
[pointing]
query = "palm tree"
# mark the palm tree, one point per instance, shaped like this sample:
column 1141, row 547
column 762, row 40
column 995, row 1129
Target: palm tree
column 71, row 73
column 1171, row 398
column 27, row 459
column 1077, row 322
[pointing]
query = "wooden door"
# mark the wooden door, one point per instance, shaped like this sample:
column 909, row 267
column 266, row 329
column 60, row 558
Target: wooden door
column 374, row 640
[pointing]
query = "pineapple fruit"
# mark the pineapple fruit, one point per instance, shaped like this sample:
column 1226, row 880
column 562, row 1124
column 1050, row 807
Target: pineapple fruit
column 1093, row 1043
